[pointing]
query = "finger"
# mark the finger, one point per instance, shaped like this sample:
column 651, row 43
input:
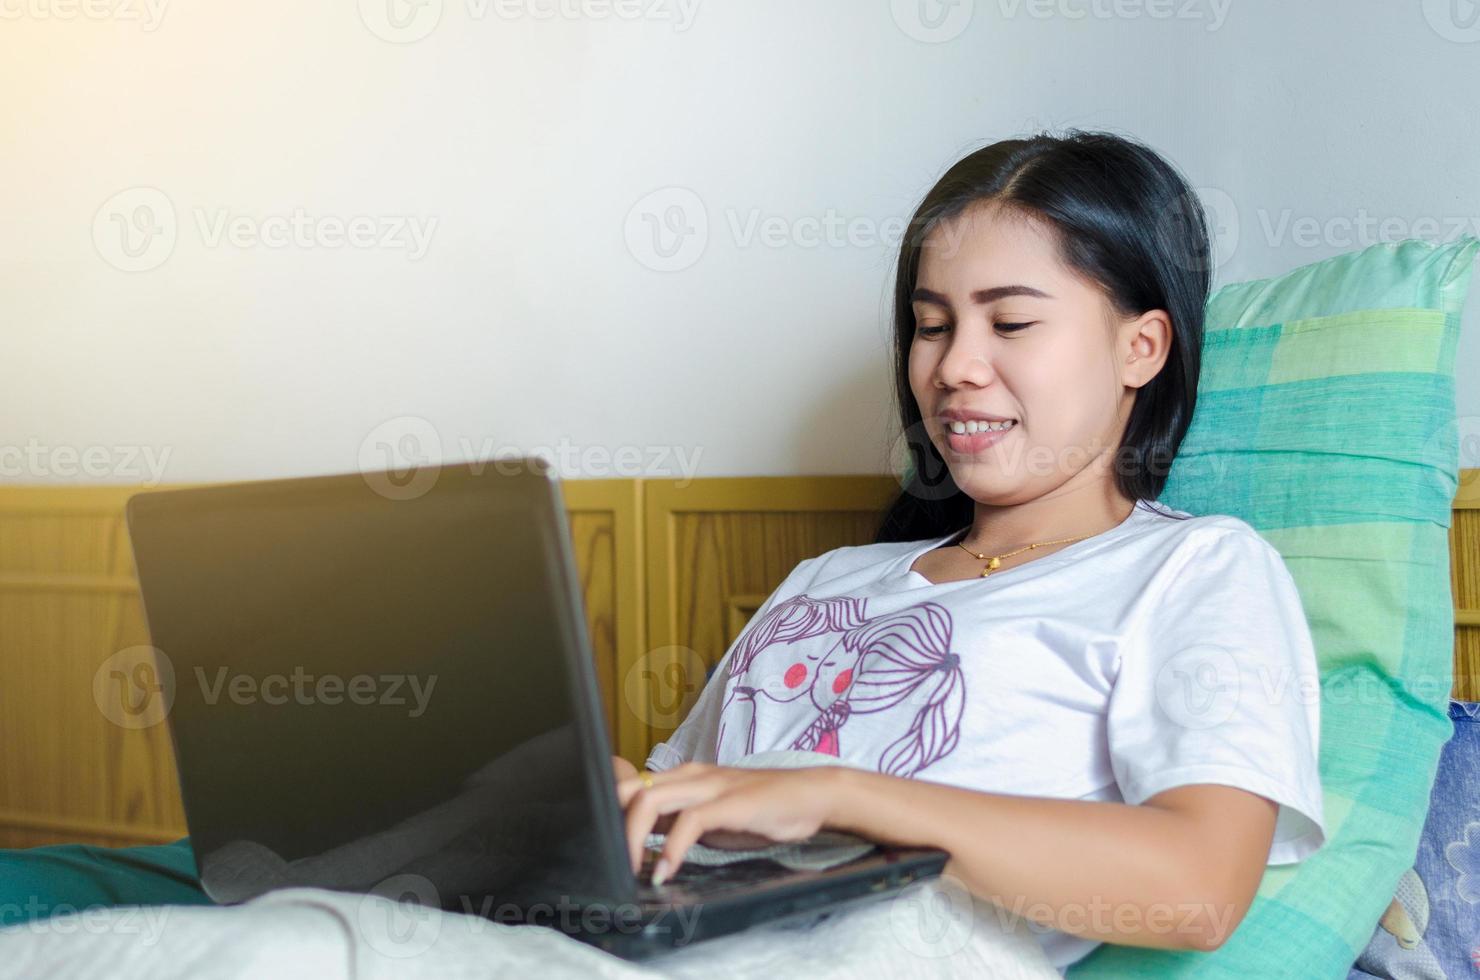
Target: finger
column 688, row 827
column 711, row 822
column 628, row 792
column 628, row 785
column 648, row 804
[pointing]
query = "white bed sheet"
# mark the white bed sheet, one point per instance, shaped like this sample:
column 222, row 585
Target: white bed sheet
column 933, row 930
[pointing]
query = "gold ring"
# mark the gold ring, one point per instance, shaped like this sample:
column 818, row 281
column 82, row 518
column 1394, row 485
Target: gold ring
column 647, row 778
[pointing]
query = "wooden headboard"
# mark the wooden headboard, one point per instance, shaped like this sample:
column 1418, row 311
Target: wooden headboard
column 670, row 573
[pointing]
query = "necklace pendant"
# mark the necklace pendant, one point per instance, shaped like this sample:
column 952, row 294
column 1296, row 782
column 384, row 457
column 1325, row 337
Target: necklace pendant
column 994, row 564
column 986, row 572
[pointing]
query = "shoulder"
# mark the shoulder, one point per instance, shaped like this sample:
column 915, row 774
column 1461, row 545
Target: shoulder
column 1213, row 559
column 1208, row 554
column 1185, row 535
column 851, row 558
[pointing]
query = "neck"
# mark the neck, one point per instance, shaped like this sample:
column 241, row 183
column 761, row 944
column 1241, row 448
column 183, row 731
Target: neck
column 1000, row 528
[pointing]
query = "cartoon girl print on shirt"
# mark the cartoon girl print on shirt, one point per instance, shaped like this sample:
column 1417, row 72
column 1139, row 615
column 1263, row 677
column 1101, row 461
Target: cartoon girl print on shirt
column 899, row 666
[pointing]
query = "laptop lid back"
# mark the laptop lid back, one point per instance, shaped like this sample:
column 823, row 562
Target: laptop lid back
column 370, row 689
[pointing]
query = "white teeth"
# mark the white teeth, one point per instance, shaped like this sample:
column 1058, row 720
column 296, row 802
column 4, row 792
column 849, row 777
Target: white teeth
column 974, row 426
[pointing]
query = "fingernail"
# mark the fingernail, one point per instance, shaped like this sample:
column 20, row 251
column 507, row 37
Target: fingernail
column 660, row 871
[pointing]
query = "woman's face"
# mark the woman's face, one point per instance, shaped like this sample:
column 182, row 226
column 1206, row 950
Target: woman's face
column 1066, row 378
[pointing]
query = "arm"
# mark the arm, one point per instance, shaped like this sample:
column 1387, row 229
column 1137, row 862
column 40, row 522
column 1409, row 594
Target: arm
column 1177, row 872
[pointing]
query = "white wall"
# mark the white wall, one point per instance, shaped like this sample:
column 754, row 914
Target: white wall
column 524, row 149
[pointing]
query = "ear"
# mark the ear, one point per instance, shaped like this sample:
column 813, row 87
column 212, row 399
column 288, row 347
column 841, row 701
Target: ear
column 1143, row 346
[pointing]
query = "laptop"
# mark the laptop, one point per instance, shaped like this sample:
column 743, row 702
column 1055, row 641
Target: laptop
column 385, row 685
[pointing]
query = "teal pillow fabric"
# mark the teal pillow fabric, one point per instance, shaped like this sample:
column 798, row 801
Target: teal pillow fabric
column 39, row 882
column 1326, row 420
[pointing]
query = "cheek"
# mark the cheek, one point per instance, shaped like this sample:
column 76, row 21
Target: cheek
column 920, row 365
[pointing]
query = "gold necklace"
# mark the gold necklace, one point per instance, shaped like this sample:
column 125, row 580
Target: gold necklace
column 996, row 560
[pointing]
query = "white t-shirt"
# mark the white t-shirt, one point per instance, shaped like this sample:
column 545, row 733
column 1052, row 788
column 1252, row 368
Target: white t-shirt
column 1159, row 653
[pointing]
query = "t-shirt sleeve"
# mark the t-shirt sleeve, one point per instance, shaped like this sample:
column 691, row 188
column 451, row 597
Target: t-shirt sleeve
column 694, row 739
column 1218, row 684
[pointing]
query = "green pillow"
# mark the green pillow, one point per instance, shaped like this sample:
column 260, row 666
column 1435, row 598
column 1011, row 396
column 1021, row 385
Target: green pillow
column 1326, row 420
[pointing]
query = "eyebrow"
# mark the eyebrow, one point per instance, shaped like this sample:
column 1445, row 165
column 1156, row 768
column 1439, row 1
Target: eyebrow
column 980, row 297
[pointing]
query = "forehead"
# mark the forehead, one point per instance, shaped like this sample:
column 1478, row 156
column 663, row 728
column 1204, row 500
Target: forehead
column 986, row 245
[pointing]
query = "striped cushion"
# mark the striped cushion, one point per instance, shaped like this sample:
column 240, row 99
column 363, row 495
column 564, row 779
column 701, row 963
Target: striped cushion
column 1326, row 419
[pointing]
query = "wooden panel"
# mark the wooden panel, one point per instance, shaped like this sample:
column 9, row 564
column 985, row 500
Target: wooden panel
column 716, row 548
column 605, row 518
column 1464, row 565
column 69, row 601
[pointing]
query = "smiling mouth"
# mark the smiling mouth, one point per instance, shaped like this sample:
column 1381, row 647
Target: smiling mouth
column 970, row 441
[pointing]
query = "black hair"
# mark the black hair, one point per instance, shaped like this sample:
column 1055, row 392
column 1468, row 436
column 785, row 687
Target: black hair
column 1125, row 220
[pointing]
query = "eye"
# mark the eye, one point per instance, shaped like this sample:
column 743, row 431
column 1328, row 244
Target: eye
column 935, row 330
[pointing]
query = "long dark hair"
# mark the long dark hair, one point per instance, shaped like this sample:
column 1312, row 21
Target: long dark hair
column 1126, row 220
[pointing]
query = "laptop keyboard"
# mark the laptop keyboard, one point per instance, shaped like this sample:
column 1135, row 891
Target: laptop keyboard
column 699, row 879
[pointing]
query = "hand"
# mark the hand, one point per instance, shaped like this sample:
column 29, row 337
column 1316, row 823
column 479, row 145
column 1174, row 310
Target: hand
column 626, row 770
column 729, row 805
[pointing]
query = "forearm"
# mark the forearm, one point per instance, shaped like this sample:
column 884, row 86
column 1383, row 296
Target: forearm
column 1104, row 871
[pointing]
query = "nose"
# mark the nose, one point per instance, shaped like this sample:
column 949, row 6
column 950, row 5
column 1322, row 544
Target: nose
column 966, row 362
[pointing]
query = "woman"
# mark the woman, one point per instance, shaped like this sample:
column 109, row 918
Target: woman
column 1088, row 699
